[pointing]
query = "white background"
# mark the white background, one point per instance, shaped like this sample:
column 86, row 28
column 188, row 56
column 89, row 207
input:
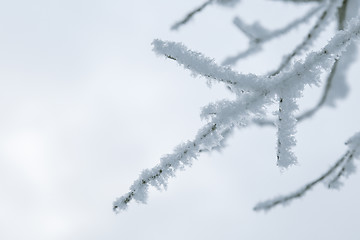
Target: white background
column 86, row 105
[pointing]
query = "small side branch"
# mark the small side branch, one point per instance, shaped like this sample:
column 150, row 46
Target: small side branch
column 343, row 167
column 190, row 15
column 330, row 78
column 309, row 113
column 237, row 113
column 347, row 168
column 198, row 64
column 209, row 138
column 310, row 37
column 269, row 204
column 286, row 130
column 259, row 35
column 317, row 107
column 232, row 60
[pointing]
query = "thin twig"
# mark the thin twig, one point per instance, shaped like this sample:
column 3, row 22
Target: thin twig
column 279, row 124
column 190, row 15
column 310, row 36
column 267, row 205
column 145, row 182
column 256, row 42
column 341, row 172
column 329, row 80
column 208, row 75
column 309, row 113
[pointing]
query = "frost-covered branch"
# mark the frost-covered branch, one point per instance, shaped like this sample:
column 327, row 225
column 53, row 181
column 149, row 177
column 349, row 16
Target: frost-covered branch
column 198, row 64
column 268, row 204
column 326, row 16
column 342, row 16
column 287, row 121
column 225, row 115
column 286, row 131
column 343, row 167
column 344, row 170
column 208, row 138
column 309, row 113
column 258, row 35
column 330, row 78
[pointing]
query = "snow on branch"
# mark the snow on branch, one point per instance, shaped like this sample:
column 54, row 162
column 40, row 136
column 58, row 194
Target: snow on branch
column 309, row 113
column 326, row 16
column 338, row 86
column 324, row 59
column 343, row 167
column 354, row 144
column 335, row 86
column 198, row 64
column 208, row 138
column 286, row 132
column 346, row 168
column 225, row 115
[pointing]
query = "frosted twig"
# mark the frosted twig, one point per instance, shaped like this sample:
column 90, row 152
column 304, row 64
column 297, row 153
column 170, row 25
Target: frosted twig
column 329, row 80
column 340, row 168
column 311, row 112
column 347, row 167
column 198, row 64
column 257, row 40
column 286, row 121
column 267, row 205
column 325, row 17
column 294, row 24
column 236, row 113
column 169, row 164
column 286, row 132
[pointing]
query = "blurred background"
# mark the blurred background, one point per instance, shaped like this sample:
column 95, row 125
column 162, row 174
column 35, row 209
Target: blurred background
column 86, row 106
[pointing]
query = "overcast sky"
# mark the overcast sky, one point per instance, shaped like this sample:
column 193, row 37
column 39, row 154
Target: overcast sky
column 86, row 105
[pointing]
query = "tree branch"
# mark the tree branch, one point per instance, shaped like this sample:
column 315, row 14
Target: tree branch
column 190, row 15
column 198, row 64
column 257, row 41
column 337, row 170
column 269, row 204
column 236, row 113
column 329, row 80
column 313, row 33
